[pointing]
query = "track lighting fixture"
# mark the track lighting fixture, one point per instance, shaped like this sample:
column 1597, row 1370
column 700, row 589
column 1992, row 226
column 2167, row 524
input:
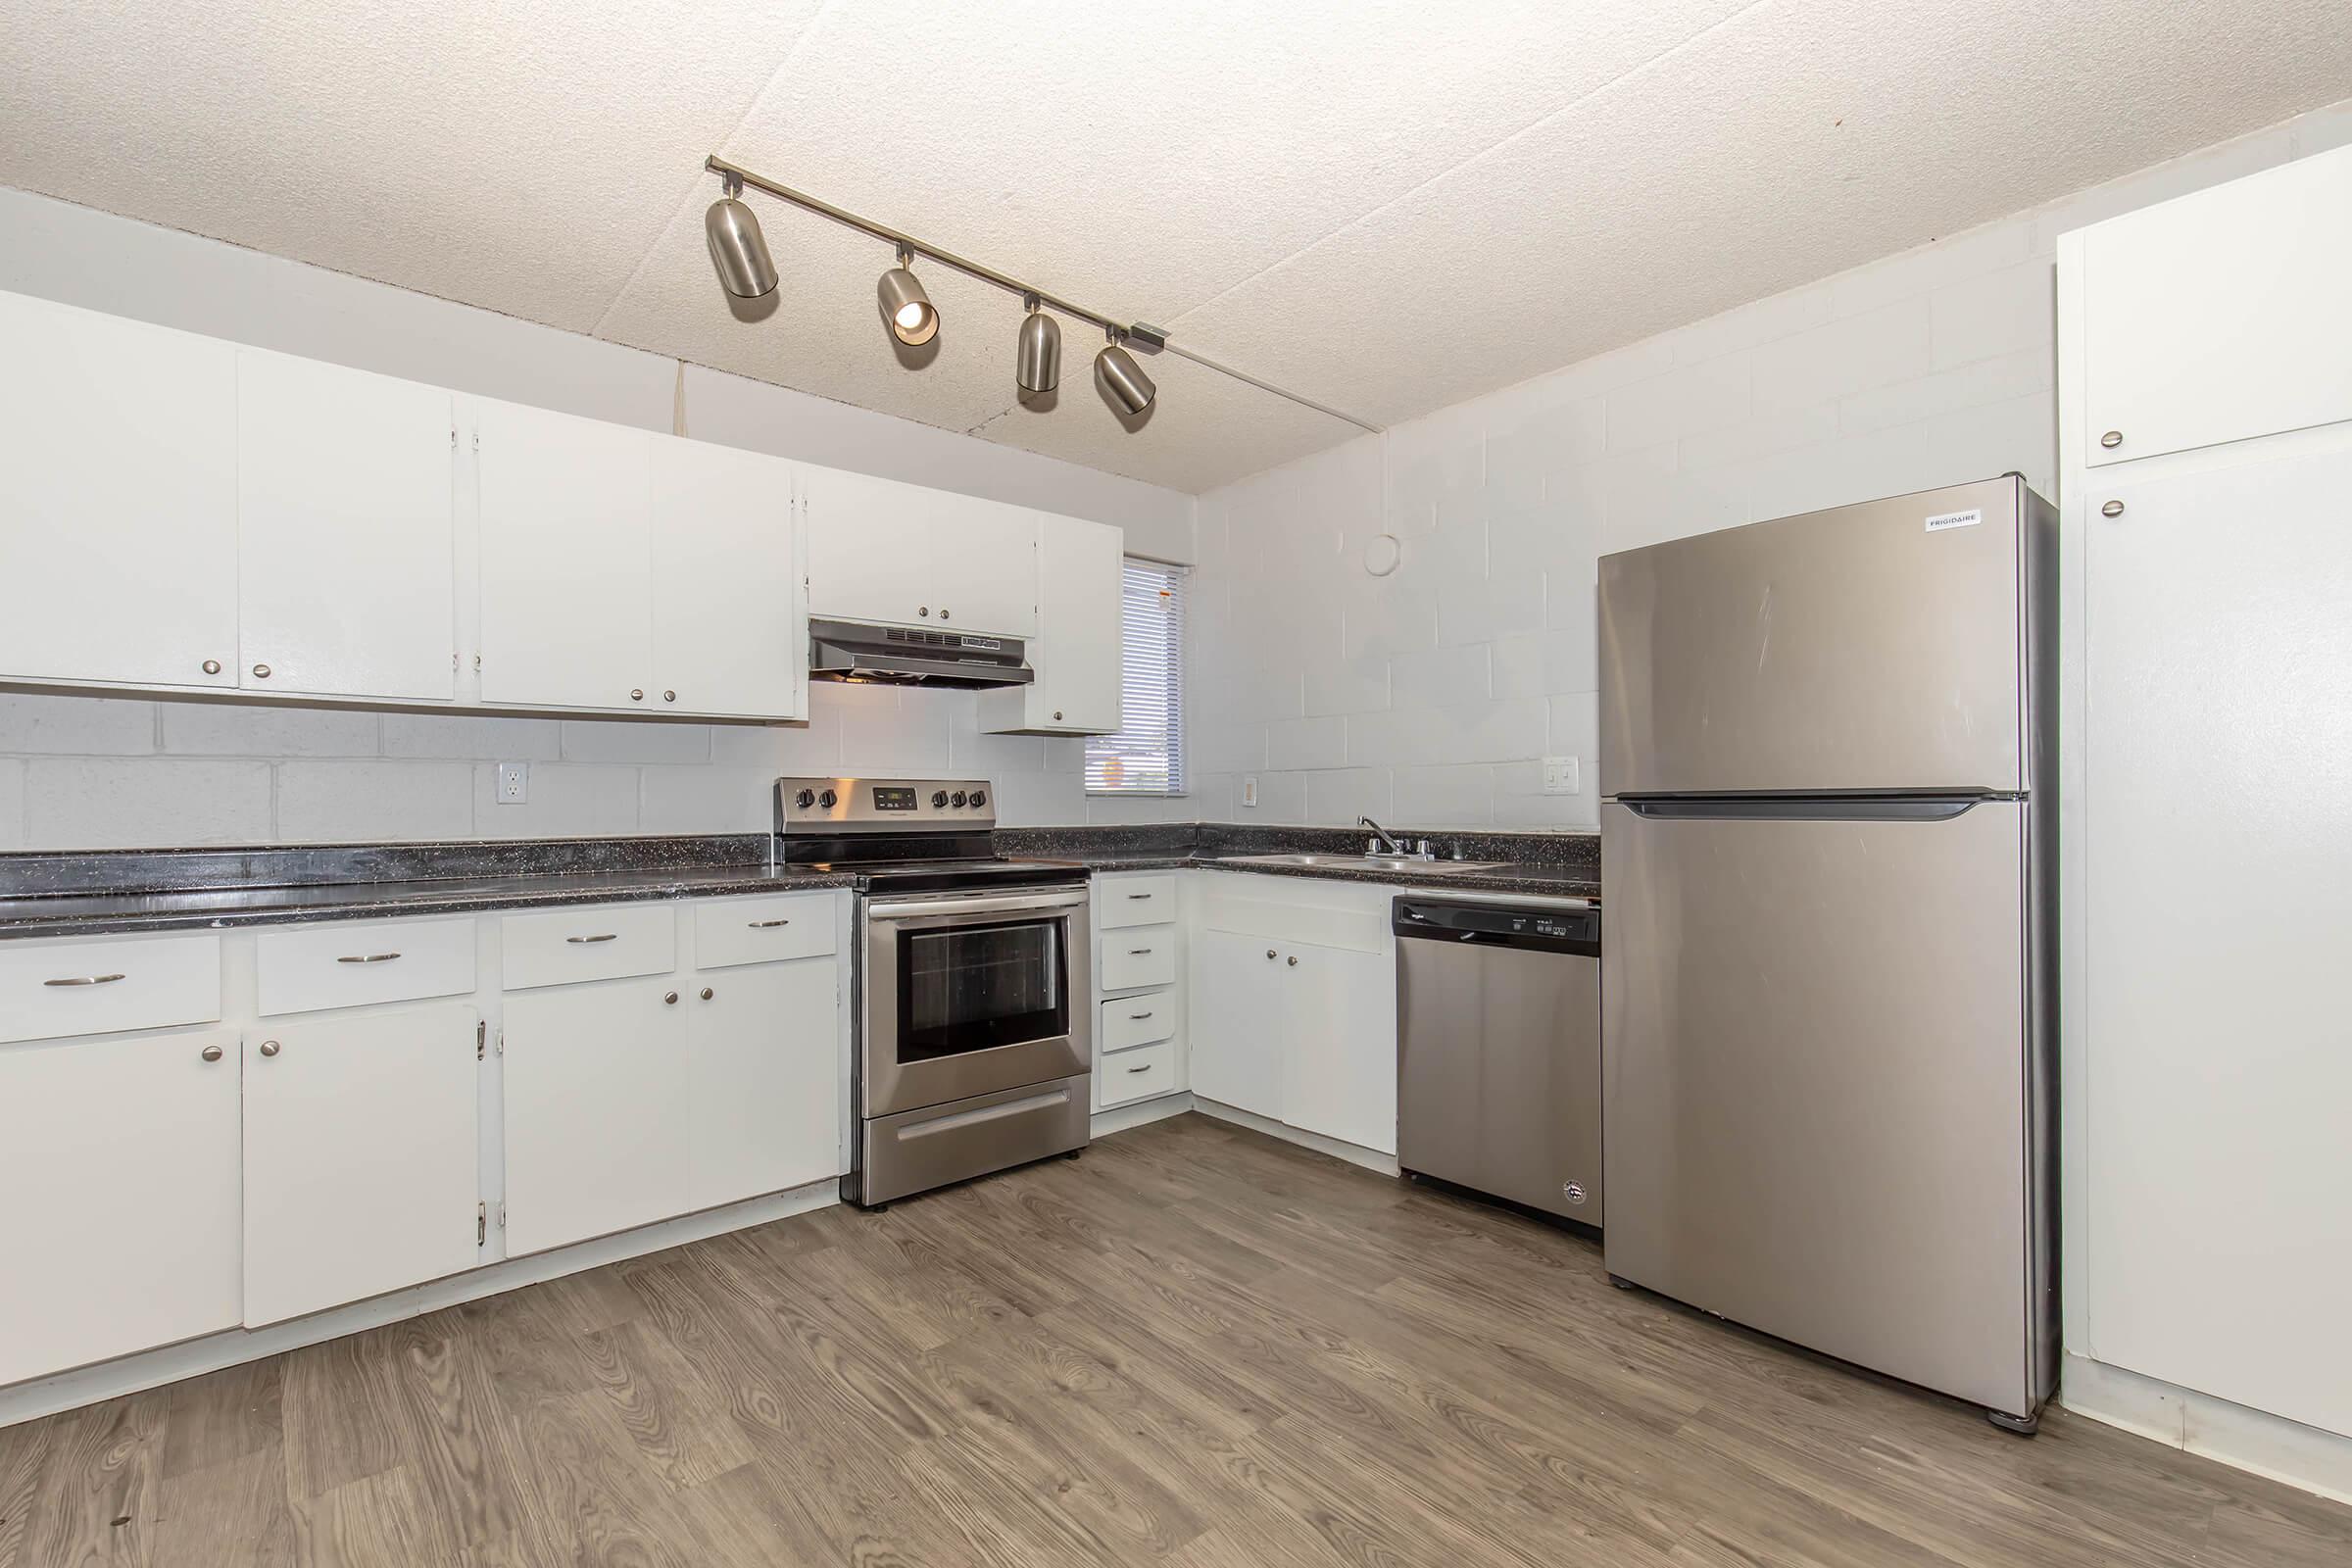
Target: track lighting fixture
column 1037, row 353
column 737, row 248
column 1130, row 388
column 740, row 257
column 914, row 319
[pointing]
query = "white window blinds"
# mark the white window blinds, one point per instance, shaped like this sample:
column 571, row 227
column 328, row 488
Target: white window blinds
column 1146, row 755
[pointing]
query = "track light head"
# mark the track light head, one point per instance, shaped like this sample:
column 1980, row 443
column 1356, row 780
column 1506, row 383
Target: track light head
column 737, row 248
column 1037, row 352
column 1129, row 387
column 914, row 319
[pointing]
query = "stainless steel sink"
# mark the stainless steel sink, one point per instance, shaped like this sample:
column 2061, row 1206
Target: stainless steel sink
column 1405, row 865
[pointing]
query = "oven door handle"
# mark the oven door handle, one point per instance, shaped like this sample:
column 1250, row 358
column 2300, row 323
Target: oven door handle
column 1025, row 904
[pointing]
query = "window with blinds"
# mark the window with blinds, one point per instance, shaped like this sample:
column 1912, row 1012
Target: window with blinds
column 1146, row 755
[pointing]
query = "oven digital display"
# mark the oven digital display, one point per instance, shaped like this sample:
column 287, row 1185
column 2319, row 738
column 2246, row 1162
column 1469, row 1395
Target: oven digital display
column 893, row 798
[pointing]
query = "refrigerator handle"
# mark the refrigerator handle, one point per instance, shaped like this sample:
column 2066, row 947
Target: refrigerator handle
column 1885, row 808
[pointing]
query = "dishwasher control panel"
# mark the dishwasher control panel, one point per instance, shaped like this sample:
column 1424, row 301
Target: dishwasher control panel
column 1556, row 930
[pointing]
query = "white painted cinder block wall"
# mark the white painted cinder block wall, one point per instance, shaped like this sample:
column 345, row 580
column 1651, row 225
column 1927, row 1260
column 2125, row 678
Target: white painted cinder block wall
column 1428, row 698
column 87, row 772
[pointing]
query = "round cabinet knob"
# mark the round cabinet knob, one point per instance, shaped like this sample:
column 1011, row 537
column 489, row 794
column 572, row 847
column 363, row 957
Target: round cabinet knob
column 938, row 798
column 670, row 999
column 828, row 800
column 979, row 797
column 956, row 798
column 270, row 1048
column 924, row 610
column 1293, row 963
column 708, row 993
column 669, row 697
column 212, row 667
column 804, row 799
column 211, row 1052
column 942, row 615
column 2113, row 508
column 1057, row 715
column 636, row 694
column 1269, row 953
column 2113, row 438
column 261, row 671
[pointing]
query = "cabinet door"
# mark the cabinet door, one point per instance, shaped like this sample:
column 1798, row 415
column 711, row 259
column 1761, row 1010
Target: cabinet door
column 1240, row 1033
column 566, row 603
column 362, row 1157
column 2220, row 315
column 1340, row 1074
column 1076, row 654
column 2217, row 1068
column 596, row 1111
column 346, row 584
column 765, row 1076
column 869, row 548
column 119, row 1159
column 982, row 564
column 119, row 514
column 730, row 627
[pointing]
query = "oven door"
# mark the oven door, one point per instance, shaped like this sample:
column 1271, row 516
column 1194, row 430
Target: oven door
column 966, row 993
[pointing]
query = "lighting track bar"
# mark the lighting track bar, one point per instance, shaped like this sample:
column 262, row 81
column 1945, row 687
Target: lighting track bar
column 1140, row 332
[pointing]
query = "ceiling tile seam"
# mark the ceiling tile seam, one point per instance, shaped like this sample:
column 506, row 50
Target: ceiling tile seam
column 694, row 188
column 1487, row 151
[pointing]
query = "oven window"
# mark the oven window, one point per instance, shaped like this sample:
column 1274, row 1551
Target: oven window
column 974, row 987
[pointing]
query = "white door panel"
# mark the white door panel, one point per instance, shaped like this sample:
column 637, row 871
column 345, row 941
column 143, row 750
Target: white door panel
column 726, row 586
column 1240, row 1032
column 869, row 546
column 765, row 1075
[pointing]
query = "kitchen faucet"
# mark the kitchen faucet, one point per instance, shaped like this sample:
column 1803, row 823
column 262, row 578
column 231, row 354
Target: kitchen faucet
column 1383, row 837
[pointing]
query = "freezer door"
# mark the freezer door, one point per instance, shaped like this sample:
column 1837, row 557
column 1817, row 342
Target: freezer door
column 1817, row 1084
column 1874, row 647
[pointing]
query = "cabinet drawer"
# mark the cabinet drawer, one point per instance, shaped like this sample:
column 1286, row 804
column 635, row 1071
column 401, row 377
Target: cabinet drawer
column 306, row 968
column 1135, row 901
column 734, row 931
column 1143, row 956
column 603, row 942
column 1138, row 1074
column 91, row 988
column 1125, row 1021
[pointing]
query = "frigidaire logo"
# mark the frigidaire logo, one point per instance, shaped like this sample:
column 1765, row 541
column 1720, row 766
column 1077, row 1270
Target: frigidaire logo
column 1572, row 1192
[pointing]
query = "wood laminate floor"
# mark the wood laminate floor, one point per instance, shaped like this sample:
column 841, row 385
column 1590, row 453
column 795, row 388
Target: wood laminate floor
column 1197, row 1345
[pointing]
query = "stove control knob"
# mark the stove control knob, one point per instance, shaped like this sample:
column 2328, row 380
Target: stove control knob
column 805, row 800
column 979, row 797
column 956, row 798
column 828, row 800
column 939, row 798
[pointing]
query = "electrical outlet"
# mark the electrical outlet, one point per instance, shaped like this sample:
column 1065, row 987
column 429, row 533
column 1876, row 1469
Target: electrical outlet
column 1561, row 775
column 1250, row 789
column 514, row 783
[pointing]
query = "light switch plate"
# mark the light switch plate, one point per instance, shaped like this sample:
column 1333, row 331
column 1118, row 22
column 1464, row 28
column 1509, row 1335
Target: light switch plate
column 514, row 783
column 1561, row 775
column 1248, row 789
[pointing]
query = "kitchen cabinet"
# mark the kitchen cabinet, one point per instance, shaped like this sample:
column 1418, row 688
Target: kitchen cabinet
column 904, row 555
column 764, row 1079
column 1340, row 1073
column 730, row 617
column 1077, row 652
column 1240, row 1022
column 361, row 1155
column 2220, row 316
column 597, row 1118
column 119, row 517
column 346, row 536
column 121, row 1230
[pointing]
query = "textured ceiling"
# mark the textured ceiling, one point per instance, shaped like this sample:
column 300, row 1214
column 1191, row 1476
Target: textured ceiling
column 1389, row 207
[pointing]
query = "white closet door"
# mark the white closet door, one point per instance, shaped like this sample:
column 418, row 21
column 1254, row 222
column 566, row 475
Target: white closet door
column 566, row 603
column 730, row 631
column 346, row 581
column 2219, row 742
column 119, row 514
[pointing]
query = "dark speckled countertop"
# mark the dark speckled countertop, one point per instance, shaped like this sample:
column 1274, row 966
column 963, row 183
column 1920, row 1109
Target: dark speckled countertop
column 1553, row 865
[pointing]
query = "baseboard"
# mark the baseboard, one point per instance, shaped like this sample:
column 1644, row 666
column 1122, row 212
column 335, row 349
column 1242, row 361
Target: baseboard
column 1119, row 1118
column 2236, row 1435
column 1339, row 1148
column 147, row 1369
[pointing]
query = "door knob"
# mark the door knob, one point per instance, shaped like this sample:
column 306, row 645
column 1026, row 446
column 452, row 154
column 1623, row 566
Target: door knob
column 211, row 1052
column 669, row 697
column 270, row 1048
column 636, row 694
column 212, row 667
column 2113, row 508
column 942, row 615
column 1057, row 715
column 1293, row 961
column 261, row 671
column 706, row 993
column 670, row 999
column 2113, row 438
column 1269, row 953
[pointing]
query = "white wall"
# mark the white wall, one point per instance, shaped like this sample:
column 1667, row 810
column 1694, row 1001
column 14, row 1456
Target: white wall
column 80, row 773
column 1427, row 699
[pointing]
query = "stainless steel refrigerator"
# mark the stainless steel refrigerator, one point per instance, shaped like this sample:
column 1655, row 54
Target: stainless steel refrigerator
column 1828, row 754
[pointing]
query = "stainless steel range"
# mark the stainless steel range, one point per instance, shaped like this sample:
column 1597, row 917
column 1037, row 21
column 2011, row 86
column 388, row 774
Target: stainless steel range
column 974, row 1033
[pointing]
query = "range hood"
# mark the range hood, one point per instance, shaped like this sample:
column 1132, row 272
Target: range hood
column 849, row 650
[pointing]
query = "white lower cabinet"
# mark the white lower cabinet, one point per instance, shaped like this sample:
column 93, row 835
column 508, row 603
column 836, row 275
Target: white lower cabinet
column 119, row 1156
column 362, row 1157
column 1237, row 1023
column 764, row 1080
column 1339, row 1070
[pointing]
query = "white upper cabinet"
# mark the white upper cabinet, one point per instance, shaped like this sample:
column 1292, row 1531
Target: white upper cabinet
column 902, row 555
column 2220, row 316
column 730, row 620
column 1078, row 643
column 345, row 579
column 119, row 514
column 567, row 549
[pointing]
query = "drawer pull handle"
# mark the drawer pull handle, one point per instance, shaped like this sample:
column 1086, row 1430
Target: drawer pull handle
column 367, row 957
column 769, row 925
column 1143, row 895
column 1138, row 952
column 1137, row 1017
column 85, row 980
column 609, row 936
column 1145, row 1069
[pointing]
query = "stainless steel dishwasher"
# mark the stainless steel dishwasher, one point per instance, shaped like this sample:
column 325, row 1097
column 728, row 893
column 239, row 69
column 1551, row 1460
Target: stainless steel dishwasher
column 1498, row 1048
